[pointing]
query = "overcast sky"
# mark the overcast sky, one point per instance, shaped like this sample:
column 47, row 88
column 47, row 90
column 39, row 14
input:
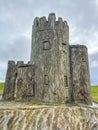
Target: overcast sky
column 16, row 19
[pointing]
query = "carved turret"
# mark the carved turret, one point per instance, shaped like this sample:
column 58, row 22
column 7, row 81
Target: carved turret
column 80, row 74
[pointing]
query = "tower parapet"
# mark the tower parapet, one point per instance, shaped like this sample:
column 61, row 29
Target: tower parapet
column 42, row 23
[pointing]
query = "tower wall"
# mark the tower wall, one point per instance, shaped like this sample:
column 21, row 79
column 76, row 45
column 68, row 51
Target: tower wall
column 25, row 81
column 9, row 86
column 50, row 54
column 80, row 74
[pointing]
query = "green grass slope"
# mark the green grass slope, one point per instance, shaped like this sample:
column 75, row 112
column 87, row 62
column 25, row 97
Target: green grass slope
column 1, row 87
column 94, row 91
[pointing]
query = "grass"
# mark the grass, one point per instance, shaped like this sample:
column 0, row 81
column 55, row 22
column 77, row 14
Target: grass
column 94, row 91
column 1, row 87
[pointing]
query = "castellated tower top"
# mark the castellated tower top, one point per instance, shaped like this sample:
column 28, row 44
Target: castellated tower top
column 42, row 23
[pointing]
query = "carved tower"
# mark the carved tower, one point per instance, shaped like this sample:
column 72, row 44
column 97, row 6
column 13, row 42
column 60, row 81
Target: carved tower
column 50, row 54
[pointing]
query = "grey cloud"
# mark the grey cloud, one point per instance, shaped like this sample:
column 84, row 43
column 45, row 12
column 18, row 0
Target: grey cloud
column 93, row 76
column 18, row 50
column 93, row 69
column 81, row 14
column 94, row 57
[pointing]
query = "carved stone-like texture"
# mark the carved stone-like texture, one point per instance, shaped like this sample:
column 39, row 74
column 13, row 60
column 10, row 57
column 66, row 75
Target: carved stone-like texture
column 9, row 87
column 80, row 74
column 18, row 116
column 50, row 54
column 62, row 71
column 25, row 82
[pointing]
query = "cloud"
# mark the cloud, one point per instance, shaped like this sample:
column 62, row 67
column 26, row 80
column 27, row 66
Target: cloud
column 19, row 49
column 97, row 2
column 94, row 64
column 93, row 59
column 93, row 76
column 3, row 67
column 93, row 50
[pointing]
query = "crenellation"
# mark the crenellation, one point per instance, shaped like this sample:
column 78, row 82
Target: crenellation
column 19, row 63
column 11, row 62
column 60, row 23
column 60, row 19
column 79, row 46
column 65, row 22
column 29, row 62
column 41, row 24
column 42, row 21
column 36, row 22
column 51, row 20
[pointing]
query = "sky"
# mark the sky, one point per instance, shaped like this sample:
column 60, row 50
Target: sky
column 16, row 19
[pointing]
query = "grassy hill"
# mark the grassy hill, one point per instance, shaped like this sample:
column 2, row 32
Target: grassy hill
column 94, row 90
column 1, row 87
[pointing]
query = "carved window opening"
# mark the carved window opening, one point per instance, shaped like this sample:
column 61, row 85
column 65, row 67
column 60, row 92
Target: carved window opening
column 67, row 93
column 33, row 89
column 64, row 46
column 46, row 45
column 46, row 79
column 83, row 60
column 16, row 74
column 37, row 24
column 19, row 82
column 65, row 81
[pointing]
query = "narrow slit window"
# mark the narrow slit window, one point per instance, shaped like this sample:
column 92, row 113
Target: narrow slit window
column 46, row 79
column 37, row 24
column 64, row 46
column 65, row 81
